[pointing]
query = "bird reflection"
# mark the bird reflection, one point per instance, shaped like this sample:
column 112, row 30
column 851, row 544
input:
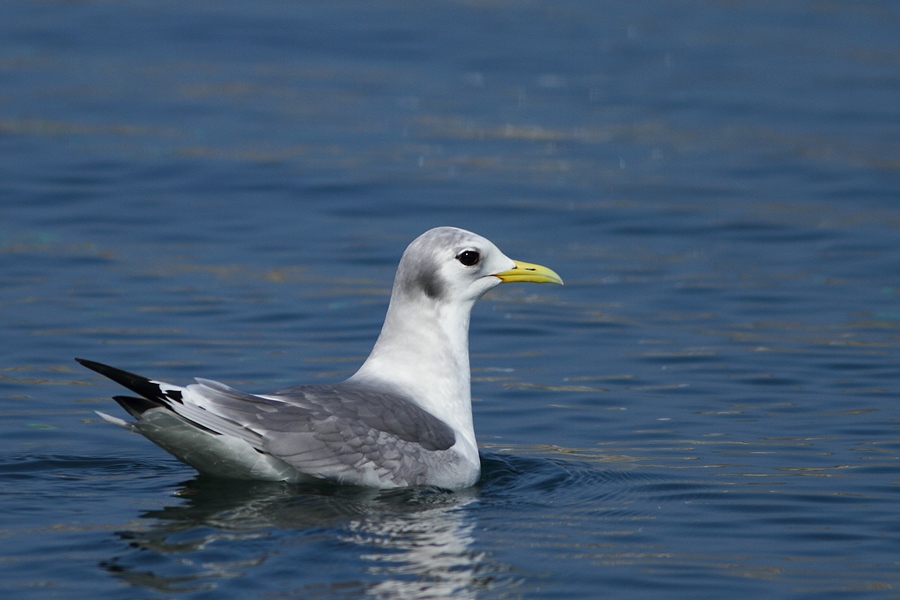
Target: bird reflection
column 412, row 543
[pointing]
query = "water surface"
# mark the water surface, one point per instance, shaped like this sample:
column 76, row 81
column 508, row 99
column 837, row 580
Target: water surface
column 706, row 409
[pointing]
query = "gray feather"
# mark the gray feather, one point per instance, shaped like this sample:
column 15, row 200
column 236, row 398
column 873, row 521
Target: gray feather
column 331, row 431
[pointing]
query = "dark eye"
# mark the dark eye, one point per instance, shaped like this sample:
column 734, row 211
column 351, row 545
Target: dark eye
column 468, row 257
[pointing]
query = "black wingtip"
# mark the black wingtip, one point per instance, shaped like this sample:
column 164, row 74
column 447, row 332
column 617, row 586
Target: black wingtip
column 94, row 366
column 137, row 406
column 136, row 383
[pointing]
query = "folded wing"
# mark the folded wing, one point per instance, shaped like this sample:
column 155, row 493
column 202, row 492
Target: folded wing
column 341, row 432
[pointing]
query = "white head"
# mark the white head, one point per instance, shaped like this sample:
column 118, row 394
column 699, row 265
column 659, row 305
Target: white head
column 455, row 266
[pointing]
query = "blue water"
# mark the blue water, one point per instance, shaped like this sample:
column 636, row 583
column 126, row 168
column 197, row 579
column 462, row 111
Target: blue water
column 707, row 409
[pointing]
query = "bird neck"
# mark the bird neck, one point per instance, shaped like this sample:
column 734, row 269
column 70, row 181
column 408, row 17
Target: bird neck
column 423, row 350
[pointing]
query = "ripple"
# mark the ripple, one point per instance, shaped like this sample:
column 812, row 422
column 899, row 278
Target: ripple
column 565, row 483
column 36, row 466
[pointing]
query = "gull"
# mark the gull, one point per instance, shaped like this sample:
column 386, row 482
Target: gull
column 403, row 419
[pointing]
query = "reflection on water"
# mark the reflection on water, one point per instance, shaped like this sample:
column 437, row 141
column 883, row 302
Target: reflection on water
column 402, row 543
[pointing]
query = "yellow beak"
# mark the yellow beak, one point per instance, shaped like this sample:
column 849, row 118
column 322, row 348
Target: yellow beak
column 524, row 271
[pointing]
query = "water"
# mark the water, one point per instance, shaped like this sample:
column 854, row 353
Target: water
column 707, row 409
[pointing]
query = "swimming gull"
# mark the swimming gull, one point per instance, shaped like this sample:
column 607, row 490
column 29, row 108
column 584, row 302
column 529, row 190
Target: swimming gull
column 403, row 419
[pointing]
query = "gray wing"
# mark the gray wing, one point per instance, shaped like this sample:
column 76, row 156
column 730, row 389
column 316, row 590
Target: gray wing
column 345, row 432
column 377, row 408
